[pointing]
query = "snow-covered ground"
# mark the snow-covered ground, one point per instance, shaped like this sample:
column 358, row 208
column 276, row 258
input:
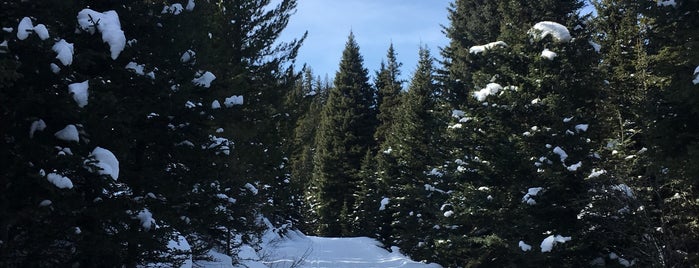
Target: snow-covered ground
column 298, row 250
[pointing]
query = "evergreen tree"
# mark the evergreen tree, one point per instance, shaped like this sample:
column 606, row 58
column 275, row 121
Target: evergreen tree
column 672, row 45
column 344, row 136
column 388, row 88
column 405, row 162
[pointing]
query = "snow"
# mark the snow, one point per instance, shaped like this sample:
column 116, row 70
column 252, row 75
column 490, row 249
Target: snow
column 218, row 260
column 667, row 3
column 581, row 127
column 183, row 246
column 79, row 92
column 41, row 31
column 106, row 23
column 64, row 52
column 146, row 219
column 137, row 68
column 175, row 9
column 190, row 5
column 457, row 113
column 597, row 47
column 696, row 76
column 38, row 125
column 25, row 28
column 448, row 213
column 45, row 203
column 59, row 181
column 232, row 101
column 559, row 32
column 298, row 250
column 215, row 105
column 550, row 241
column 524, row 246
column 559, row 151
column 483, row 48
column 548, row 54
column 384, row 202
column 251, row 188
column 204, row 80
column 531, row 192
column 490, row 89
column 596, row 173
column 187, row 55
column 69, row 133
column 54, row 68
column 575, row 167
column 106, row 161
column 222, row 145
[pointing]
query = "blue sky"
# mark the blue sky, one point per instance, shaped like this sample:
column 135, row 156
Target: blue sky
column 375, row 23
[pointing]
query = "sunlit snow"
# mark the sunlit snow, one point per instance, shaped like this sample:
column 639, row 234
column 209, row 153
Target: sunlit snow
column 69, row 133
column 559, row 32
column 79, row 92
column 106, row 161
column 108, row 24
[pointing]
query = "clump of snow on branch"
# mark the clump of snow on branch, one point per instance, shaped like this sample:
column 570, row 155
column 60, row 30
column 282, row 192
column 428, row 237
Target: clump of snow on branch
column 581, row 127
column 188, row 55
column 251, row 188
column 215, row 105
column 221, row 145
column 524, row 246
column 548, row 54
column 60, row 181
column 190, row 5
column 106, row 23
column 561, row 153
column 69, row 133
column 79, row 92
column 665, row 3
column 696, row 76
column 38, row 125
column 146, row 218
column 174, row 9
column 64, row 52
column 490, row 89
column 550, row 241
column 542, row 29
column 384, row 202
column 530, row 193
column 106, row 161
column 483, row 48
column 25, row 28
column 203, row 79
column 233, row 100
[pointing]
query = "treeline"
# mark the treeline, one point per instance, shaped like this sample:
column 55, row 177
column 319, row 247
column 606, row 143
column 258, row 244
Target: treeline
column 545, row 138
column 542, row 137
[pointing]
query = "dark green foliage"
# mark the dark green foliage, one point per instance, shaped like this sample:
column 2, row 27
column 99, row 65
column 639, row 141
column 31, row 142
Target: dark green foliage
column 344, row 136
column 200, row 171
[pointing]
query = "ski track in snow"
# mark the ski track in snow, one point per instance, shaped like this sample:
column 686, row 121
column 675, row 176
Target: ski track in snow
column 298, row 250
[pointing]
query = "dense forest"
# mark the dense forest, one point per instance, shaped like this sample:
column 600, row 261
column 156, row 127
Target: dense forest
column 541, row 137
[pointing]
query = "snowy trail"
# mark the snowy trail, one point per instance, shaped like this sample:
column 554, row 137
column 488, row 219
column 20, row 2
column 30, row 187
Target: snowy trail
column 298, row 250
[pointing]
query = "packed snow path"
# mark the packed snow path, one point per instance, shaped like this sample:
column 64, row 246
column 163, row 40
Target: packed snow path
column 298, row 250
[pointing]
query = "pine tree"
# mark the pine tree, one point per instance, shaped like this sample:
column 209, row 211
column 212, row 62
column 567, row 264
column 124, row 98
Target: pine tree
column 388, row 88
column 672, row 45
column 344, row 136
column 410, row 152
